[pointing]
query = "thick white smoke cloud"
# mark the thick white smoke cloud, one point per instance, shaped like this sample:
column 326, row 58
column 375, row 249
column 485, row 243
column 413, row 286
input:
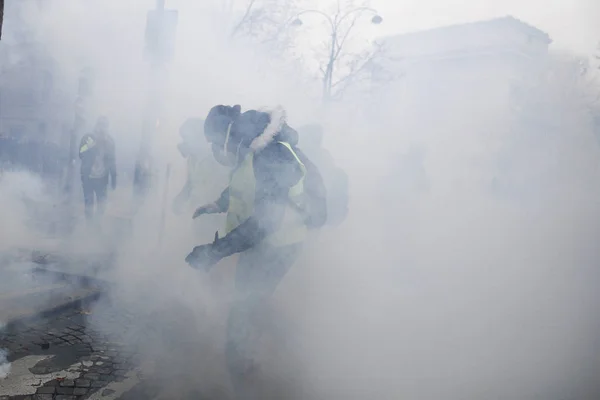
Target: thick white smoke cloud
column 456, row 292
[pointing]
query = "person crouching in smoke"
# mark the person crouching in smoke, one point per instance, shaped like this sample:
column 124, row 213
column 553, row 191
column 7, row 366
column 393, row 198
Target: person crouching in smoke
column 275, row 195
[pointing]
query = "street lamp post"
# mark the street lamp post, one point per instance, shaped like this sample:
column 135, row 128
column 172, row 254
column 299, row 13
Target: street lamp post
column 160, row 35
column 337, row 41
column 1, row 16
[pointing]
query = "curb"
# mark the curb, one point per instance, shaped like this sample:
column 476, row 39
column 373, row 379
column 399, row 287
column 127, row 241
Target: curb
column 81, row 302
column 46, row 264
column 72, row 278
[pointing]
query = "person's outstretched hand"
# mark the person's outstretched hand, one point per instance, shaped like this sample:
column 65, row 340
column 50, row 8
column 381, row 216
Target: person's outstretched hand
column 206, row 209
column 203, row 257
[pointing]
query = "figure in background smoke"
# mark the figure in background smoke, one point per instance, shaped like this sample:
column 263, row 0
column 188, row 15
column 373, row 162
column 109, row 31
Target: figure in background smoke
column 275, row 195
column 206, row 178
column 98, row 165
column 335, row 178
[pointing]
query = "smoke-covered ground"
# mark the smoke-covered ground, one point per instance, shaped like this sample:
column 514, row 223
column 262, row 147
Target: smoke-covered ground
column 456, row 291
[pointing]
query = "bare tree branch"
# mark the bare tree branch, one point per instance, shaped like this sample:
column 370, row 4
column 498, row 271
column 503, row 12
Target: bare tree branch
column 244, row 18
column 341, row 42
column 359, row 64
column 357, row 68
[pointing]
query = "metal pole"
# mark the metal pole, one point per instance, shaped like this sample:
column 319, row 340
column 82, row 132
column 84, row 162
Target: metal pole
column 144, row 164
column 163, row 212
column 1, row 16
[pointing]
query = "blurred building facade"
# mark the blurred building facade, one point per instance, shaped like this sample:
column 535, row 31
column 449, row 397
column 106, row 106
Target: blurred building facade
column 455, row 89
column 32, row 105
column 36, row 112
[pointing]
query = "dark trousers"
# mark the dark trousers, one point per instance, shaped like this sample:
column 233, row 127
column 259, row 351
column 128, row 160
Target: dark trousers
column 94, row 187
column 259, row 272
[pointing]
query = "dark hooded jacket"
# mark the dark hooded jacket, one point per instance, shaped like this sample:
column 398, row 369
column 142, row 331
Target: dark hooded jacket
column 88, row 156
column 275, row 168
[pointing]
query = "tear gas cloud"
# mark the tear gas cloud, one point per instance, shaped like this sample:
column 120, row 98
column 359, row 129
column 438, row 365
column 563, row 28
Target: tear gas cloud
column 476, row 279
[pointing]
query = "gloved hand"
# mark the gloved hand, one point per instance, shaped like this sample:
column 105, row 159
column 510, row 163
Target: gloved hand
column 206, row 209
column 203, row 257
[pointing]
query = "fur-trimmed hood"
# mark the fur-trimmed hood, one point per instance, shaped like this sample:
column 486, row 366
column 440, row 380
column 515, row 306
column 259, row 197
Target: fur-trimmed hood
column 278, row 119
column 258, row 128
column 253, row 129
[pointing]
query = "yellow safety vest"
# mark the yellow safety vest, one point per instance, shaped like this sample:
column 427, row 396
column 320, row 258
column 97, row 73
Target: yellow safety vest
column 89, row 143
column 207, row 178
column 242, row 192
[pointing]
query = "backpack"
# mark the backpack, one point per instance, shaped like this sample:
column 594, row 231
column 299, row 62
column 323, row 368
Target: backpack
column 315, row 209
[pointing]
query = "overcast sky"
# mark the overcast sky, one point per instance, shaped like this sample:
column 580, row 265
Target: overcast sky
column 573, row 24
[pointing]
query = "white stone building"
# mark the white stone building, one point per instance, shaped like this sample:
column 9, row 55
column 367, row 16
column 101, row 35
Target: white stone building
column 455, row 90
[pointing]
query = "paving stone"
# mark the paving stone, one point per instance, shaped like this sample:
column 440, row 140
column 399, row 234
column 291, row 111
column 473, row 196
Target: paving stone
column 65, row 390
column 83, row 383
column 91, row 376
column 46, row 390
column 62, row 397
column 41, row 370
column 67, row 383
column 107, row 392
column 99, row 384
column 43, row 396
column 80, row 391
column 106, row 378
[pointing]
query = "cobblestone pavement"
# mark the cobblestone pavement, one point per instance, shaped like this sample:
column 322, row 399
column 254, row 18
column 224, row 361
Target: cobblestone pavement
column 64, row 359
column 159, row 356
column 68, row 358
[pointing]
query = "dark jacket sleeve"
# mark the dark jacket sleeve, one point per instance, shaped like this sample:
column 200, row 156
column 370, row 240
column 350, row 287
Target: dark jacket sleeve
column 276, row 171
column 223, row 201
